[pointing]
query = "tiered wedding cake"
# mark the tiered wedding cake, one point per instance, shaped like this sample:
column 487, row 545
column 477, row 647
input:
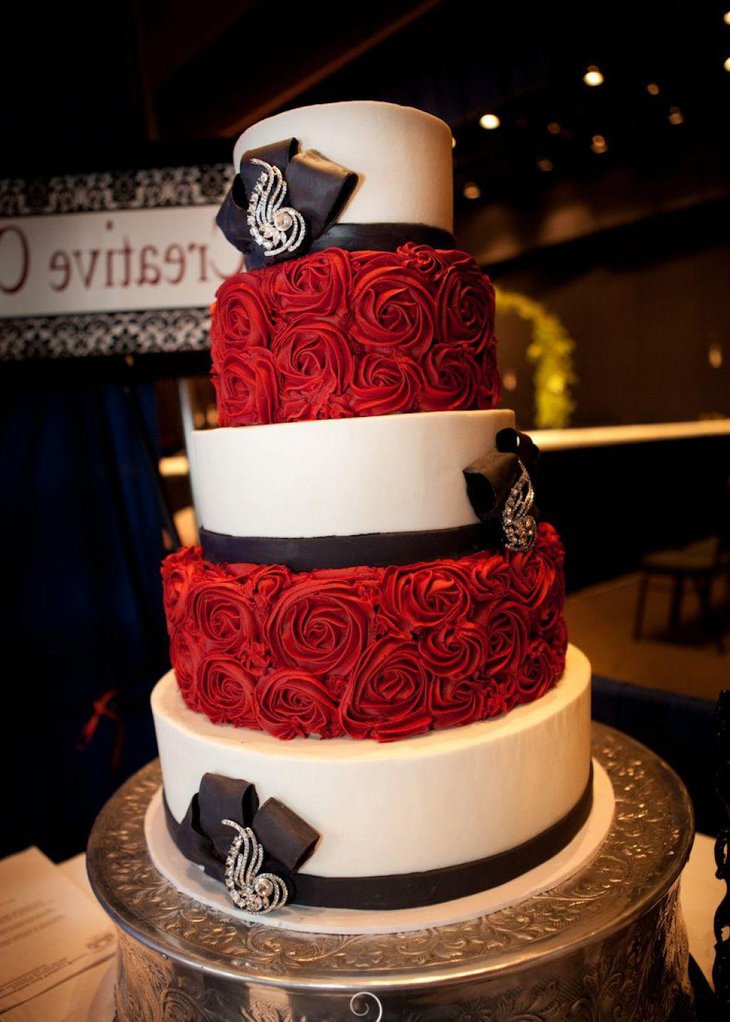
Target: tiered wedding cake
column 371, row 705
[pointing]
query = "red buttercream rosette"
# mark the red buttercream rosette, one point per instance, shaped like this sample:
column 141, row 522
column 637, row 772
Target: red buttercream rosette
column 339, row 334
column 380, row 653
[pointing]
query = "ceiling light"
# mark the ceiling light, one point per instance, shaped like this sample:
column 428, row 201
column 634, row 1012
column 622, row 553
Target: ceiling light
column 675, row 115
column 714, row 356
column 726, row 17
column 472, row 191
column 593, row 76
column 653, row 89
column 726, row 63
column 453, row 142
column 489, row 122
column 554, row 128
column 545, row 164
column 599, row 144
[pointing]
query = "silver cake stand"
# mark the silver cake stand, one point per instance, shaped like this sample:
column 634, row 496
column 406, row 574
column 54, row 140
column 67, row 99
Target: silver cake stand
column 607, row 945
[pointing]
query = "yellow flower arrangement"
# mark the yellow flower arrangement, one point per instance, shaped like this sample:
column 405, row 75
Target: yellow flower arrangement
column 550, row 351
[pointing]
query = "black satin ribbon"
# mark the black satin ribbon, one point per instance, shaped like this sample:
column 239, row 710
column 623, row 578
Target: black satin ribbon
column 203, row 838
column 372, row 550
column 381, row 237
column 317, row 187
column 413, row 890
column 490, row 478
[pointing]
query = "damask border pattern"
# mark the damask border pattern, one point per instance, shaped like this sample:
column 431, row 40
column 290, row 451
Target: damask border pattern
column 147, row 332
column 155, row 188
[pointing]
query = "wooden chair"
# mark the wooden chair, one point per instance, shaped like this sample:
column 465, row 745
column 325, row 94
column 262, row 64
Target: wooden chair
column 698, row 564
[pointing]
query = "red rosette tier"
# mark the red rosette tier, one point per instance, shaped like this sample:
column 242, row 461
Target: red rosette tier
column 338, row 334
column 380, row 653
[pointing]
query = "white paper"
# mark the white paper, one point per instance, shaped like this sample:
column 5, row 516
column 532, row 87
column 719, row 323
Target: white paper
column 88, row 997
column 49, row 930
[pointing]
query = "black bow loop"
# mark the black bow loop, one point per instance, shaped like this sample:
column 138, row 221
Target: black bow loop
column 204, row 837
column 498, row 484
column 281, row 201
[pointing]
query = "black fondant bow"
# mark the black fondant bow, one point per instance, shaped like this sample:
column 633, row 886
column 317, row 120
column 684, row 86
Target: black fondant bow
column 490, row 479
column 202, row 836
column 316, row 188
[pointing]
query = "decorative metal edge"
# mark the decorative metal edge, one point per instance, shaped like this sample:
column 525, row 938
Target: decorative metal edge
column 154, row 188
column 153, row 331
column 640, row 859
column 640, row 974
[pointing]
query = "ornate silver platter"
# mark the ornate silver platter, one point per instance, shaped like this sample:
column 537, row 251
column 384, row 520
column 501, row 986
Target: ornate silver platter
column 607, row 945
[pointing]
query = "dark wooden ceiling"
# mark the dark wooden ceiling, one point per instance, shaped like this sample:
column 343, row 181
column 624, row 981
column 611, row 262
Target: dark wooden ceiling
column 82, row 74
column 84, row 86
column 214, row 69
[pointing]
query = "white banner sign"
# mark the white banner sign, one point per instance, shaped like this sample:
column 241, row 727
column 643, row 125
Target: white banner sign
column 112, row 261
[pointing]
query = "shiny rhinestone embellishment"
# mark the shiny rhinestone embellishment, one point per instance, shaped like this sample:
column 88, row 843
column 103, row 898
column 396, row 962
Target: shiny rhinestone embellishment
column 248, row 888
column 273, row 226
column 518, row 525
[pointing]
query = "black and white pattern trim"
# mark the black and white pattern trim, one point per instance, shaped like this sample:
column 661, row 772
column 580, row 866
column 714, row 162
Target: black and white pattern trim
column 153, row 331
column 149, row 332
column 158, row 188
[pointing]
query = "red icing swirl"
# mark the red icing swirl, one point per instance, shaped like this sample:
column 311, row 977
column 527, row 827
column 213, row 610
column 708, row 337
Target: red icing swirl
column 385, row 696
column 293, row 703
column 226, row 692
column 319, row 625
column 314, row 370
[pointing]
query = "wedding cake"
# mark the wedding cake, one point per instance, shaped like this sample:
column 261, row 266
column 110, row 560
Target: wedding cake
column 372, row 704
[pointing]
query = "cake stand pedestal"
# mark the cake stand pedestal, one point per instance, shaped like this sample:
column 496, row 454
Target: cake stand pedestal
column 607, row 945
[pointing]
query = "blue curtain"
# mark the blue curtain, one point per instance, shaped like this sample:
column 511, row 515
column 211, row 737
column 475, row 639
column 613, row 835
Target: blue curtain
column 679, row 728
column 81, row 610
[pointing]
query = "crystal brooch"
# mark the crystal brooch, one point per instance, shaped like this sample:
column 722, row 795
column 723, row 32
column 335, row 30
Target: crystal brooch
column 248, row 888
column 518, row 525
column 273, row 226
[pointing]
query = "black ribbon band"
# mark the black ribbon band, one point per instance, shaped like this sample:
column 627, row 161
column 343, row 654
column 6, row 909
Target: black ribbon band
column 374, row 550
column 413, row 890
column 381, row 237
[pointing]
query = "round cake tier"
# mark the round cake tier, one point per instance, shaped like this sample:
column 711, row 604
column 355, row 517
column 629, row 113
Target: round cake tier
column 608, row 943
column 368, row 652
column 390, row 473
column 340, row 334
column 432, row 801
column 402, row 157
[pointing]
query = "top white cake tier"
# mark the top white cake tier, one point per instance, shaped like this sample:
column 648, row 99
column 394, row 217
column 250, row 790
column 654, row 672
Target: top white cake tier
column 402, row 157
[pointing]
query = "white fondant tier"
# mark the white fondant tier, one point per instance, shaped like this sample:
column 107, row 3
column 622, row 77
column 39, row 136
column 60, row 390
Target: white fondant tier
column 435, row 800
column 192, row 881
column 341, row 477
column 402, row 157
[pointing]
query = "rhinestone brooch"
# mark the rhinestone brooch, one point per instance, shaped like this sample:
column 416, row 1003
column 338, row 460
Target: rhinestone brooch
column 518, row 525
column 248, row 888
column 273, row 226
